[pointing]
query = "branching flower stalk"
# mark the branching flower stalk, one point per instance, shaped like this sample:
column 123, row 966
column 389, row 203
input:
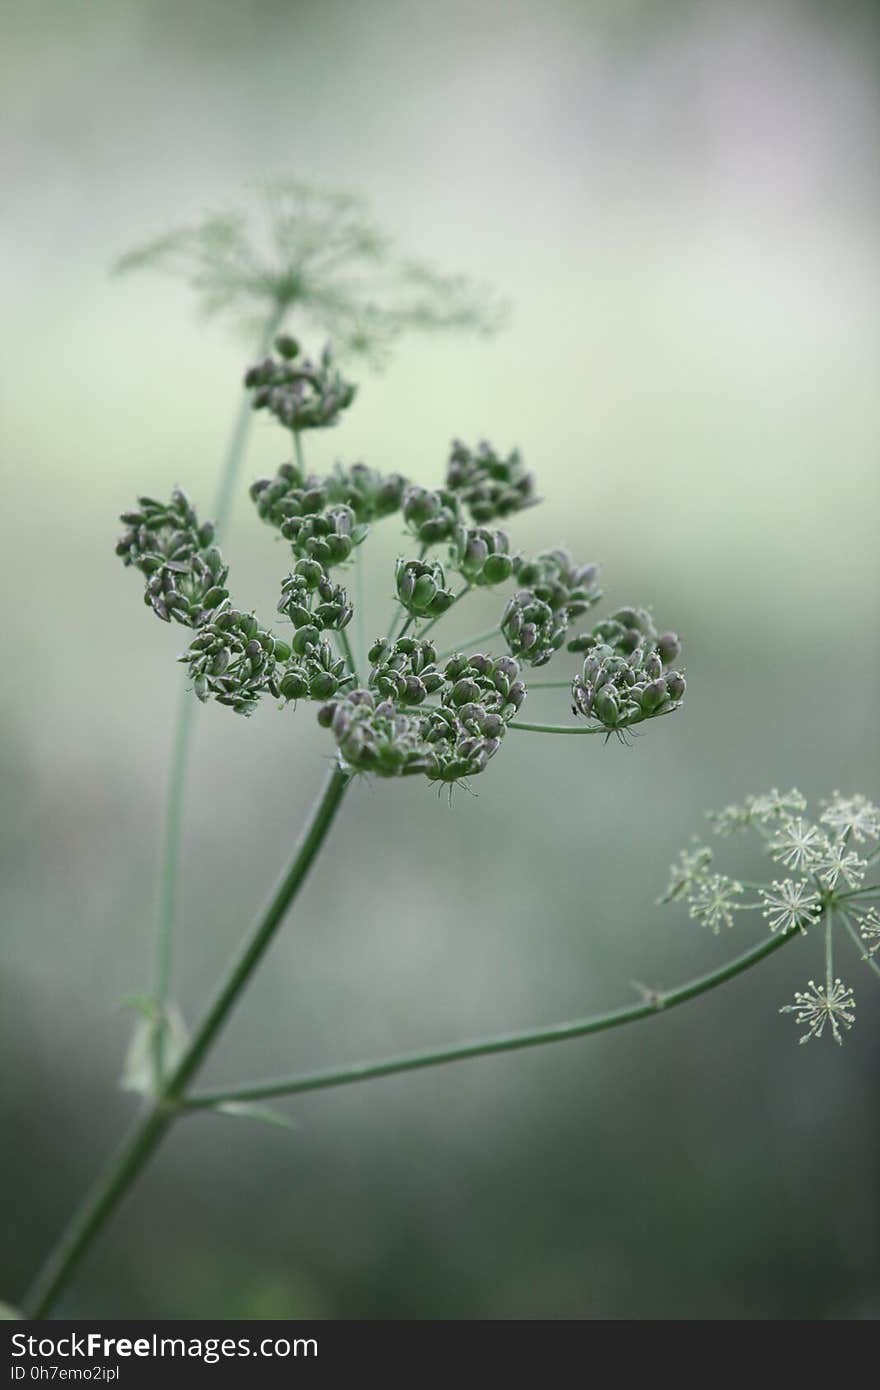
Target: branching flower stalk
column 319, row 255
column 440, row 715
column 416, row 714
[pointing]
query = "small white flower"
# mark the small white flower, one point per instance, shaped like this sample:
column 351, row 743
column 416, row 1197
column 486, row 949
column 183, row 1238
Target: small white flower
column 712, row 901
column 690, row 868
column 818, row 1005
column 834, row 861
column 791, row 903
column 853, row 815
column 796, row 844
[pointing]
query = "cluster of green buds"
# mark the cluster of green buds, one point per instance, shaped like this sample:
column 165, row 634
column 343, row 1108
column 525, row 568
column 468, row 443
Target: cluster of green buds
column 300, row 393
column 432, row 514
column 442, row 717
column 296, row 504
column 370, row 494
column 421, row 588
column 481, row 557
column 822, row 884
column 313, row 671
column 488, row 485
column 289, row 495
column 490, row 682
column 183, row 569
column 373, row 735
column 310, row 599
column 555, row 591
column 404, row 671
column 328, row 537
column 235, row 660
column 626, row 677
column 388, row 730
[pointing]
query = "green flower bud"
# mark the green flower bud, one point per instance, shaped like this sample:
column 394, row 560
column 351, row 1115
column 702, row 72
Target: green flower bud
column 668, row 648
column 421, row 588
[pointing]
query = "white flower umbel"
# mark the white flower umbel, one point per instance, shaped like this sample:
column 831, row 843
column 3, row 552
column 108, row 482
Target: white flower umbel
column 834, row 862
column 854, row 816
column 713, row 901
column 761, row 810
column 796, row 844
column 820, row 1005
column 791, row 903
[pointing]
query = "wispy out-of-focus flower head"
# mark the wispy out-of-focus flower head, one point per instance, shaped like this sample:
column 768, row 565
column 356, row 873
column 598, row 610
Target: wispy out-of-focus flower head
column 322, row 254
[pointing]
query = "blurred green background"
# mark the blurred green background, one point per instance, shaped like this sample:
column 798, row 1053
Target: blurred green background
column 682, row 203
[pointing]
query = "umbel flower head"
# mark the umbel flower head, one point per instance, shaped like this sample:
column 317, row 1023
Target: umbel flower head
column 184, row 570
column 300, row 393
column 408, row 709
column 827, row 860
column 627, row 675
column 321, row 254
column 488, row 485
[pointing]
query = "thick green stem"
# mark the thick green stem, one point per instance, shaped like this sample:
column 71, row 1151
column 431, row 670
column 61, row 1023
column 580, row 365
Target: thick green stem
column 151, row 1127
column 169, row 873
column 654, row 1003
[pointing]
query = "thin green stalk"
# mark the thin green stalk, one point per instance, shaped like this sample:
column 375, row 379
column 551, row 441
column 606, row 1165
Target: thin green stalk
column 345, row 645
column 555, row 728
column 151, row 1127
column 298, row 451
column 241, row 429
column 486, row 1047
column 360, row 616
column 182, row 738
column 583, row 728
column 829, row 953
